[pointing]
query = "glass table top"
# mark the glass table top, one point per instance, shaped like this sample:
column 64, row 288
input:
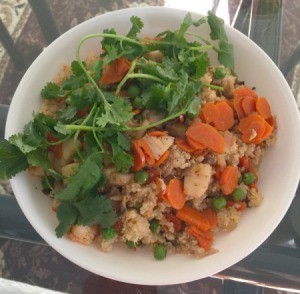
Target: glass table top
column 26, row 28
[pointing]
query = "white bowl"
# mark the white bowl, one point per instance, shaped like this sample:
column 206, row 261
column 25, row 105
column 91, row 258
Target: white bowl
column 279, row 173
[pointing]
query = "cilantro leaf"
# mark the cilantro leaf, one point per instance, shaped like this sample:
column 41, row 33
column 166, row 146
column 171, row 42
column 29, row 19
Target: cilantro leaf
column 76, row 67
column 35, row 131
column 67, row 215
column 216, row 25
column 225, row 52
column 39, row 157
column 96, row 210
column 201, row 65
column 96, row 69
column 12, row 160
column 17, row 140
column 50, row 91
column 225, row 56
column 117, row 113
column 137, row 26
column 84, row 181
column 187, row 22
column 66, row 114
column 123, row 141
column 123, row 161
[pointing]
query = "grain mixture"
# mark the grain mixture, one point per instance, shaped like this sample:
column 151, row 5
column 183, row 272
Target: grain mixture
column 148, row 143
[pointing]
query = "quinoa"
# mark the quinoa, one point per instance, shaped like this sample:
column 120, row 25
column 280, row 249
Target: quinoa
column 138, row 205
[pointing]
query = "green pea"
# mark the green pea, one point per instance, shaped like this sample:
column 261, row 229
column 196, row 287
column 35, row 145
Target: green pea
column 133, row 91
column 141, row 177
column 238, row 194
column 220, row 73
column 249, row 178
column 130, row 244
column 108, row 233
column 218, row 202
column 154, row 225
column 160, row 252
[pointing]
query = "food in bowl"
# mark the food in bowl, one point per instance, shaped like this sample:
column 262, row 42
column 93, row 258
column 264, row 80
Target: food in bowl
column 147, row 143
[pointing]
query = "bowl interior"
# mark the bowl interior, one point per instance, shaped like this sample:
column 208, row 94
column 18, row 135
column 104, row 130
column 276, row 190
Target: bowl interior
column 279, row 173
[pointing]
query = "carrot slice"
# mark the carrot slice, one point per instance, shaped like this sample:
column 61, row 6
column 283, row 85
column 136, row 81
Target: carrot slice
column 175, row 220
column 147, row 151
column 115, row 71
column 139, row 158
column 211, row 216
column 193, row 217
column 254, row 133
column 244, row 91
column 158, row 133
column 202, row 241
column 162, row 158
column 183, row 145
column 206, row 135
column 249, row 104
column 237, row 103
column 210, row 112
column 263, row 107
column 206, row 235
column 175, row 194
column 271, row 121
column 194, row 144
column 229, row 179
column 225, row 121
column 266, row 134
column 246, row 122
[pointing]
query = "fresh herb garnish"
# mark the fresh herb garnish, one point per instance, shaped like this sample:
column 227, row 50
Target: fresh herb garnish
column 97, row 119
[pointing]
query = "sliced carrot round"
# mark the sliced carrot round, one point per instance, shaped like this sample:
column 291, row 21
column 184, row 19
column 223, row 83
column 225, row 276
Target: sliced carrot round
column 194, row 144
column 244, row 91
column 157, row 133
column 193, row 217
column 229, row 179
column 254, row 133
column 162, row 158
column 210, row 112
column 249, row 104
column 139, row 156
column 237, row 103
column 175, row 194
column 206, row 135
column 263, row 107
column 183, row 145
column 225, row 121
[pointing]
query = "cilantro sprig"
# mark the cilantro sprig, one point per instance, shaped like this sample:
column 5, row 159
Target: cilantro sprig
column 97, row 119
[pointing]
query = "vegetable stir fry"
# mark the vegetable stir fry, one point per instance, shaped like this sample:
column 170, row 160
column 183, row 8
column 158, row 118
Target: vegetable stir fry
column 147, row 143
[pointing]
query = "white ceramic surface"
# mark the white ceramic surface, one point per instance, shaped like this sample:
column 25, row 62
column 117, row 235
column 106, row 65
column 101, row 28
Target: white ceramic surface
column 279, row 172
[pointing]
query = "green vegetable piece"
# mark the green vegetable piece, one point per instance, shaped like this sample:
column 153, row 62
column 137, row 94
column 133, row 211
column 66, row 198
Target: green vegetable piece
column 218, row 203
column 238, row 194
column 108, row 233
column 249, row 178
column 133, row 91
column 160, row 252
column 220, row 73
column 154, row 225
column 130, row 244
column 141, row 177
column 50, row 91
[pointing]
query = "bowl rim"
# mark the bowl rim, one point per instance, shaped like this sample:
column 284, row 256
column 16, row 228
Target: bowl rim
column 81, row 263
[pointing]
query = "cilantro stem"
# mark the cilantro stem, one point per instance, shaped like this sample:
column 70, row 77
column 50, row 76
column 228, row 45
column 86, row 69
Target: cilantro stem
column 213, row 86
column 200, row 48
column 94, row 132
column 204, row 40
column 124, row 80
column 90, row 78
column 60, row 141
column 147, row 76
